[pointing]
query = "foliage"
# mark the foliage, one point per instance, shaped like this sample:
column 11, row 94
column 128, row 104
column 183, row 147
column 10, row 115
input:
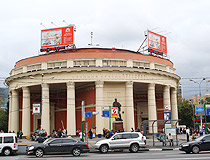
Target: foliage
column 4, row 119
column 185, row 110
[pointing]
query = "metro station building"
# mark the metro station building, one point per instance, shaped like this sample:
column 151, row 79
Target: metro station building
column 60, row 81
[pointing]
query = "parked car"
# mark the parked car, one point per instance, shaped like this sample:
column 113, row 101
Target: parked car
column 39, row 133
column 200, row 144
column 124, row 140
column 8, row 143
column 58, row 146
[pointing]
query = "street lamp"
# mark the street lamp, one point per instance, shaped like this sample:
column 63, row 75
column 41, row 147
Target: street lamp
column 199, row 84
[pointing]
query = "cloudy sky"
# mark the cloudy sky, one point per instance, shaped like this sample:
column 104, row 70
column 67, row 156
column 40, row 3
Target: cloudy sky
column 115, row 23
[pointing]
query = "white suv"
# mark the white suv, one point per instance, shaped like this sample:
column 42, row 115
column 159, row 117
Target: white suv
column 8, row 143
column 124, row 140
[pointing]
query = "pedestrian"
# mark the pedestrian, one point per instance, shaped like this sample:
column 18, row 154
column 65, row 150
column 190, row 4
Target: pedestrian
column 80, row 136
column 132, row 130
column 170, row 139
column 90, row 134
column 21, row 134
column 188, row 134
column 162, row 139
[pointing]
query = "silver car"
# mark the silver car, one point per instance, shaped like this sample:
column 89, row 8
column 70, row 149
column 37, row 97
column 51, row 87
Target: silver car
column 124, row 140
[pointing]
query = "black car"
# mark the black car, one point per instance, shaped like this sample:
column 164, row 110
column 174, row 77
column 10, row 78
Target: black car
column 58, row 146
column 200, row 144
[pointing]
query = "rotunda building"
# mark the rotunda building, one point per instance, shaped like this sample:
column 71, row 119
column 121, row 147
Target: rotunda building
column 60, row 81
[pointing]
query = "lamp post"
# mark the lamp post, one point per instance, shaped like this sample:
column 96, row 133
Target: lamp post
column 199, row 84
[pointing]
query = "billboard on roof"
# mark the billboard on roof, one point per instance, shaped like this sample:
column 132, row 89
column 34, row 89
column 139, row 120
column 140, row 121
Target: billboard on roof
column 57, row 37
column 157, row 42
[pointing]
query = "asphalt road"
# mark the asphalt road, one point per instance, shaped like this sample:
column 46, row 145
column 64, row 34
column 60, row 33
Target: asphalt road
column 144, row 155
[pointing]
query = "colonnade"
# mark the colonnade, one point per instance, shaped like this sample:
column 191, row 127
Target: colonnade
column 169, row 99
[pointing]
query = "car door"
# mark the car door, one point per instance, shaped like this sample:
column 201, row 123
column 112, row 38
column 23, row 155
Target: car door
column 126, row 139
column 205, row 144
column 68, row 145
column 115, row 141
column 54, row 146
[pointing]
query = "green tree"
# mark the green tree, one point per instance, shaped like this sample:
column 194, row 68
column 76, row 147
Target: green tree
column 185, row 111
column 4, row 119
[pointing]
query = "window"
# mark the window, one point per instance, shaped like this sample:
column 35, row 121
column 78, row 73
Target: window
column 8, row 139
column 0, row 139
column 56, row 141
column 207, row 138
column 126, row 136
column 134, row 135
column 68, row 141
column 118, row 136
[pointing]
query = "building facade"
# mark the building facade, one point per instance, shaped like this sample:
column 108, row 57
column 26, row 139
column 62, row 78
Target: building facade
column 142, row 84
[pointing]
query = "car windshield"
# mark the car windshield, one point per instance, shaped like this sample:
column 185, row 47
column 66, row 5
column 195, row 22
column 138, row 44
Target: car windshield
column 199, row 138
column 47, row 141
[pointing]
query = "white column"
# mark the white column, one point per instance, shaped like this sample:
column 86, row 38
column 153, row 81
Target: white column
column 15, row 111
column 71, row 114
column 45, row 117
column 174, row 109
column 10, row 111
column 129, row 106
column 166, row 97
column 26, row 115
column 152, row 111
column 99, row 105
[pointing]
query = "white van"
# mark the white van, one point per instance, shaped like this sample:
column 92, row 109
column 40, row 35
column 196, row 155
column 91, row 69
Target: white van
column 8, row 143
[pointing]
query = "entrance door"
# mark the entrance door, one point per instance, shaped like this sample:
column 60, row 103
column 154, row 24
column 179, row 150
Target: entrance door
column 38, row 123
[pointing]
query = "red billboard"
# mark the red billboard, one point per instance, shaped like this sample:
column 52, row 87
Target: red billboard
column 157, row 42
column 57, row 37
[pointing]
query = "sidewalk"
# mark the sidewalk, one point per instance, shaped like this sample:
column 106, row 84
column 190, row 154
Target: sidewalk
column 22, row 143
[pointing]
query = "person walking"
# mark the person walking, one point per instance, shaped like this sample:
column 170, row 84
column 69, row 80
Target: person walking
column 188, row 134
column 90, row 134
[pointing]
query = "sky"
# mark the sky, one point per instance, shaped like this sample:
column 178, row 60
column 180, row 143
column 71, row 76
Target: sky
column 114, row 23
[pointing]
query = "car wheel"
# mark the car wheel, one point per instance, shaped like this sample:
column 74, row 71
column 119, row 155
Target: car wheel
column 195, row 149
column 7, row 152
column 104, row 148
column 134, row 148
column 39, row 152
column 76, row 152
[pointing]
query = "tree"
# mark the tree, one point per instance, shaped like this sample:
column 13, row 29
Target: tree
column 4, row 119
column 185, row 110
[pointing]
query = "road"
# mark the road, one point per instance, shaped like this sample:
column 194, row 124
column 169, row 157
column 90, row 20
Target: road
column 145, row 155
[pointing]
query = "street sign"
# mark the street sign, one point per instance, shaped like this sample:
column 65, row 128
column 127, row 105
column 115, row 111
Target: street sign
column 95, row 113
column 88, row 114
column 114, row 112
column 199, row 110
column 207, row 109
column 105, row 113
column 105, row 108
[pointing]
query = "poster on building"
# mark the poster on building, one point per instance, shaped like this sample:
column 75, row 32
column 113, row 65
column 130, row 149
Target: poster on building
column 157, row 42
column 36, row 109
column 114, row 112
column 167, row 116
column 57, row 37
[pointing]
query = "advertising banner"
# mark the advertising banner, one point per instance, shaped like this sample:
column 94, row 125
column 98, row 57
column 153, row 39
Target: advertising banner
column 114, row 112
column 57, row 37
column 199, row 110
column 167, row 116
column 157, row 42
